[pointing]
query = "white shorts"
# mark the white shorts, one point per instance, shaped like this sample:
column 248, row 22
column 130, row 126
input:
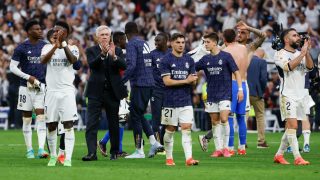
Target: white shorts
column 60, row 106
column 175, row 116
column 30, row 99
column 308, row 104
column 248, row 106
column 211, row 107
column 290, row 108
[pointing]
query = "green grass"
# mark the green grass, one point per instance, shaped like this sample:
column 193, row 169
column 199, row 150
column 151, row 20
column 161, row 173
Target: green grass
column 257, row 164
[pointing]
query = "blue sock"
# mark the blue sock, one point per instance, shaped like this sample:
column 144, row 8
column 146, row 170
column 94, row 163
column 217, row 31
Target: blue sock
column 121, row 130
column 241, row 119
column 231, row 136
column 106, row 138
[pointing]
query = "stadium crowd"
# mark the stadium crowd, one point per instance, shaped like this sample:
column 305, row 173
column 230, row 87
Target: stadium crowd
column 192, row 18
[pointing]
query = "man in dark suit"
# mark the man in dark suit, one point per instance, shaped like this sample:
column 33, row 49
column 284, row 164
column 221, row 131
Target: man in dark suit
column 257, row 81
column 104, row 90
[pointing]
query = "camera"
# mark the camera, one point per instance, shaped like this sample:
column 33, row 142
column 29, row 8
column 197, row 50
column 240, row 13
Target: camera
column 277, row 43
column 303, row 36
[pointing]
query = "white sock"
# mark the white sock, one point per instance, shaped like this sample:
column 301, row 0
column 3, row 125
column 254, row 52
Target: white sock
column 52, row 142
column 187, row 143
column 152, row 140
column 225, row 133
column 61, row 152
column 215, row 135
column 293, row 142
column 283, row 145
column 306, row 137
column 69, row 142
column 41, row 131
column 141, row 151
column 168, row 143
column 27, row 132
column 242, row 147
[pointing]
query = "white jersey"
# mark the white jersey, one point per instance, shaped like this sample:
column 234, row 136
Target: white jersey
column 292, row 81
column 60, row 73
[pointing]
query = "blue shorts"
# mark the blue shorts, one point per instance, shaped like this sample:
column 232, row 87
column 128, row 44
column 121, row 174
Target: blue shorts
column 238, row 107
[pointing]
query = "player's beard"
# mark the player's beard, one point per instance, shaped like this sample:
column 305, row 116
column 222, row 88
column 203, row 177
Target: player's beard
column 295, row 45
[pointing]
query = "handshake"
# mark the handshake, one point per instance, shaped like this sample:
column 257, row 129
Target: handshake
column 35, row 86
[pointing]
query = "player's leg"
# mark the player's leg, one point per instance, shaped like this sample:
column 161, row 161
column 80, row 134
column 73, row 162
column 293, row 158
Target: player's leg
column 25, row 105
column 102, row 144
column 38, row 103
column 216, row 134
column 224, row 107
column 168, row 144
column 306, row 135
column 61, row 153
column 42, row 132
column 185, row 119
column 234, row 106
column 69, row 141
column 138, row 103
column 52, row 142
column 204, row 139
column 241, row 120
column 69, row 114
column 156, row 106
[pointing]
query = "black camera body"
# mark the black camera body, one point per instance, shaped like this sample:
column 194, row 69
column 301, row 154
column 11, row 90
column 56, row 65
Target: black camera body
column 277, row 43
column 303, row 36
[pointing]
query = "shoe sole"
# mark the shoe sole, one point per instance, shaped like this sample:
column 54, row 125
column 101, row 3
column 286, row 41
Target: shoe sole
column 101, row 151
column 203, row 149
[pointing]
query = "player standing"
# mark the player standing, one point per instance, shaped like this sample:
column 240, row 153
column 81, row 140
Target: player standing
column 60, row 101
column 292, row 65
column 178, row 73
column 219, row 67
column 31, row 90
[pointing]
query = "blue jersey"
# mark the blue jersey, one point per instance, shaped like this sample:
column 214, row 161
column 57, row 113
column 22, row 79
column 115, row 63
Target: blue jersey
column 156, row 56
column 218, row 69
column 139, row 64
column 28, row 56
column 178, row 68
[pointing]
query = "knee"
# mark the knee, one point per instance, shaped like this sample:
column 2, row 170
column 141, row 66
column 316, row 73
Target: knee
column 170, row 128
column 52, row 126
column 68, row 124
column 40, row 117
column 186, row 126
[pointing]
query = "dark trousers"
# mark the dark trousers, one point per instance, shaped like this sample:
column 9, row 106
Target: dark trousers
column 156, row 108
column 111, row 105
column 139, row 99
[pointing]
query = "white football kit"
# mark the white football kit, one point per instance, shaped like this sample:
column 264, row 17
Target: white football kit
column 293, row 94
column 60, row 100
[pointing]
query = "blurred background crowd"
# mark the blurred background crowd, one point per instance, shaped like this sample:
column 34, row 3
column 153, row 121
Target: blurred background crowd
column 190, row 17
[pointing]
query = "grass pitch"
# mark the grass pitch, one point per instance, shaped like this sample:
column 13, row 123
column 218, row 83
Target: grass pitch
column 257, row 164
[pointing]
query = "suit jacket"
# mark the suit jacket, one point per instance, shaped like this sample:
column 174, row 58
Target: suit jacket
column 257, row 76
column 98, row 68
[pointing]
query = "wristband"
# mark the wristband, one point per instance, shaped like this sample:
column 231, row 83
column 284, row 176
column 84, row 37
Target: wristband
column 240, row 89
column 64, row 44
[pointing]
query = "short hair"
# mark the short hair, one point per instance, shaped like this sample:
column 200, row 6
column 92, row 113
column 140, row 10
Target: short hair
column 101, row 28
column 175, row 36
column 117, row 35
column 229, row 35
column 165, row 35
column 131, row 28
column 285, row 32
column 30, row 23
column 212, row 36
column 49, row 34
column 64, row 25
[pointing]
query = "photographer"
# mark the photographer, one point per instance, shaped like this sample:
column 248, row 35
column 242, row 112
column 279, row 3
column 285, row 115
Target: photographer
column 292, row 65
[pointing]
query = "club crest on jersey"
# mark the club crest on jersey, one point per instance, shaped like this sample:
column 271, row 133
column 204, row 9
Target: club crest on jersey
column 220, row 62
column 173, row 65
column 187, row 65
column 208, row 64
column 29, row 52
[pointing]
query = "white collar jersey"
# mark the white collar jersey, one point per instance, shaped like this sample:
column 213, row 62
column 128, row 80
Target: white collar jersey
column 292, row 81
column 60, row 73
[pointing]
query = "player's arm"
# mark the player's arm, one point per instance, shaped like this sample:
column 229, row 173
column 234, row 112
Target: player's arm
column 71, row 58
column 77, row 65
column 285, row 64
column 172, row 82
column 239, row 82
column 261, row 36
column 131, row 60
column 199, row 65
column 309, row 61
column 46, row 55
